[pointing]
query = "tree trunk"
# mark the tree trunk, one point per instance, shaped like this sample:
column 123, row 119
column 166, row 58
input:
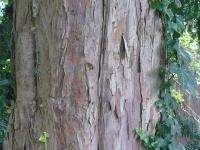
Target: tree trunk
column 86, row 73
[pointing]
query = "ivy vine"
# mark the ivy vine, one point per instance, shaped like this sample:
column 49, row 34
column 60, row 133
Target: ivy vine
column 175, row 70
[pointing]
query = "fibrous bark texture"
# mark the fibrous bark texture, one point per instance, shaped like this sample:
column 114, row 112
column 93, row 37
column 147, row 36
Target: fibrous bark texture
column 86, row 73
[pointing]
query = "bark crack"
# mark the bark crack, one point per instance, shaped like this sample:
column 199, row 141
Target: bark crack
column 103, row 39
column 87, row 85
column 105, row 14
column 139, row 34
column 152, row 40
column 141, row 103
column 34, row 12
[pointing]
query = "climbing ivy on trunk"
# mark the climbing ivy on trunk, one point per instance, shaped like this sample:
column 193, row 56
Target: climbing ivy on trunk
column 175, row 70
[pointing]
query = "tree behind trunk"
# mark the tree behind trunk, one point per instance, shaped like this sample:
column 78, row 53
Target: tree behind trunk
column 86, row 73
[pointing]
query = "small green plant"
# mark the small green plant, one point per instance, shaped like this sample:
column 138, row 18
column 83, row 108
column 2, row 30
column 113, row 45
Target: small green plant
column 44, row 139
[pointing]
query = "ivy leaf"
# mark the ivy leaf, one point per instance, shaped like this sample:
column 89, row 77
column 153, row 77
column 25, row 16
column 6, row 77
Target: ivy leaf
column 166, row 103
column 4, row 82
column 166, row 3
column 183, row 56
column 169, row 13
column 180, row 22
column 174, row 146
column 170, row 43
column 156, row 4
column 162, row 72
column 142, row 135
column 175, row 128
column 161, row 142
column 165, row 94
column 165, row 85
column 185, row 78
column 172, row 26
column 178, row 3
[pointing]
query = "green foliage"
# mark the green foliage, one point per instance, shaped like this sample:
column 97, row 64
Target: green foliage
column 192, row 46
column 145, row 138
column 44, row 139
column 184, row 76
column 5, row 64
column 190, row 129
column 177, row 95
column 3, row 118
column 4, row 82
column 191, row 12
column 6, row 92
column 176, row 70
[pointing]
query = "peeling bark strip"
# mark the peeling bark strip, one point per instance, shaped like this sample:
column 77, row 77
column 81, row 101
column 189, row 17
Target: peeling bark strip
column 86, row 73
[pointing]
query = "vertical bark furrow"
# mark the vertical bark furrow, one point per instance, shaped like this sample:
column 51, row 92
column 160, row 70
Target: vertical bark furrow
column 105, row 16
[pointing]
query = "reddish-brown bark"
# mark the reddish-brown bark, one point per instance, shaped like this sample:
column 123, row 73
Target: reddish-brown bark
column 86, row 73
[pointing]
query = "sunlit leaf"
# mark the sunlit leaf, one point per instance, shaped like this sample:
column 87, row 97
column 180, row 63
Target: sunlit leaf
column 44, row 137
